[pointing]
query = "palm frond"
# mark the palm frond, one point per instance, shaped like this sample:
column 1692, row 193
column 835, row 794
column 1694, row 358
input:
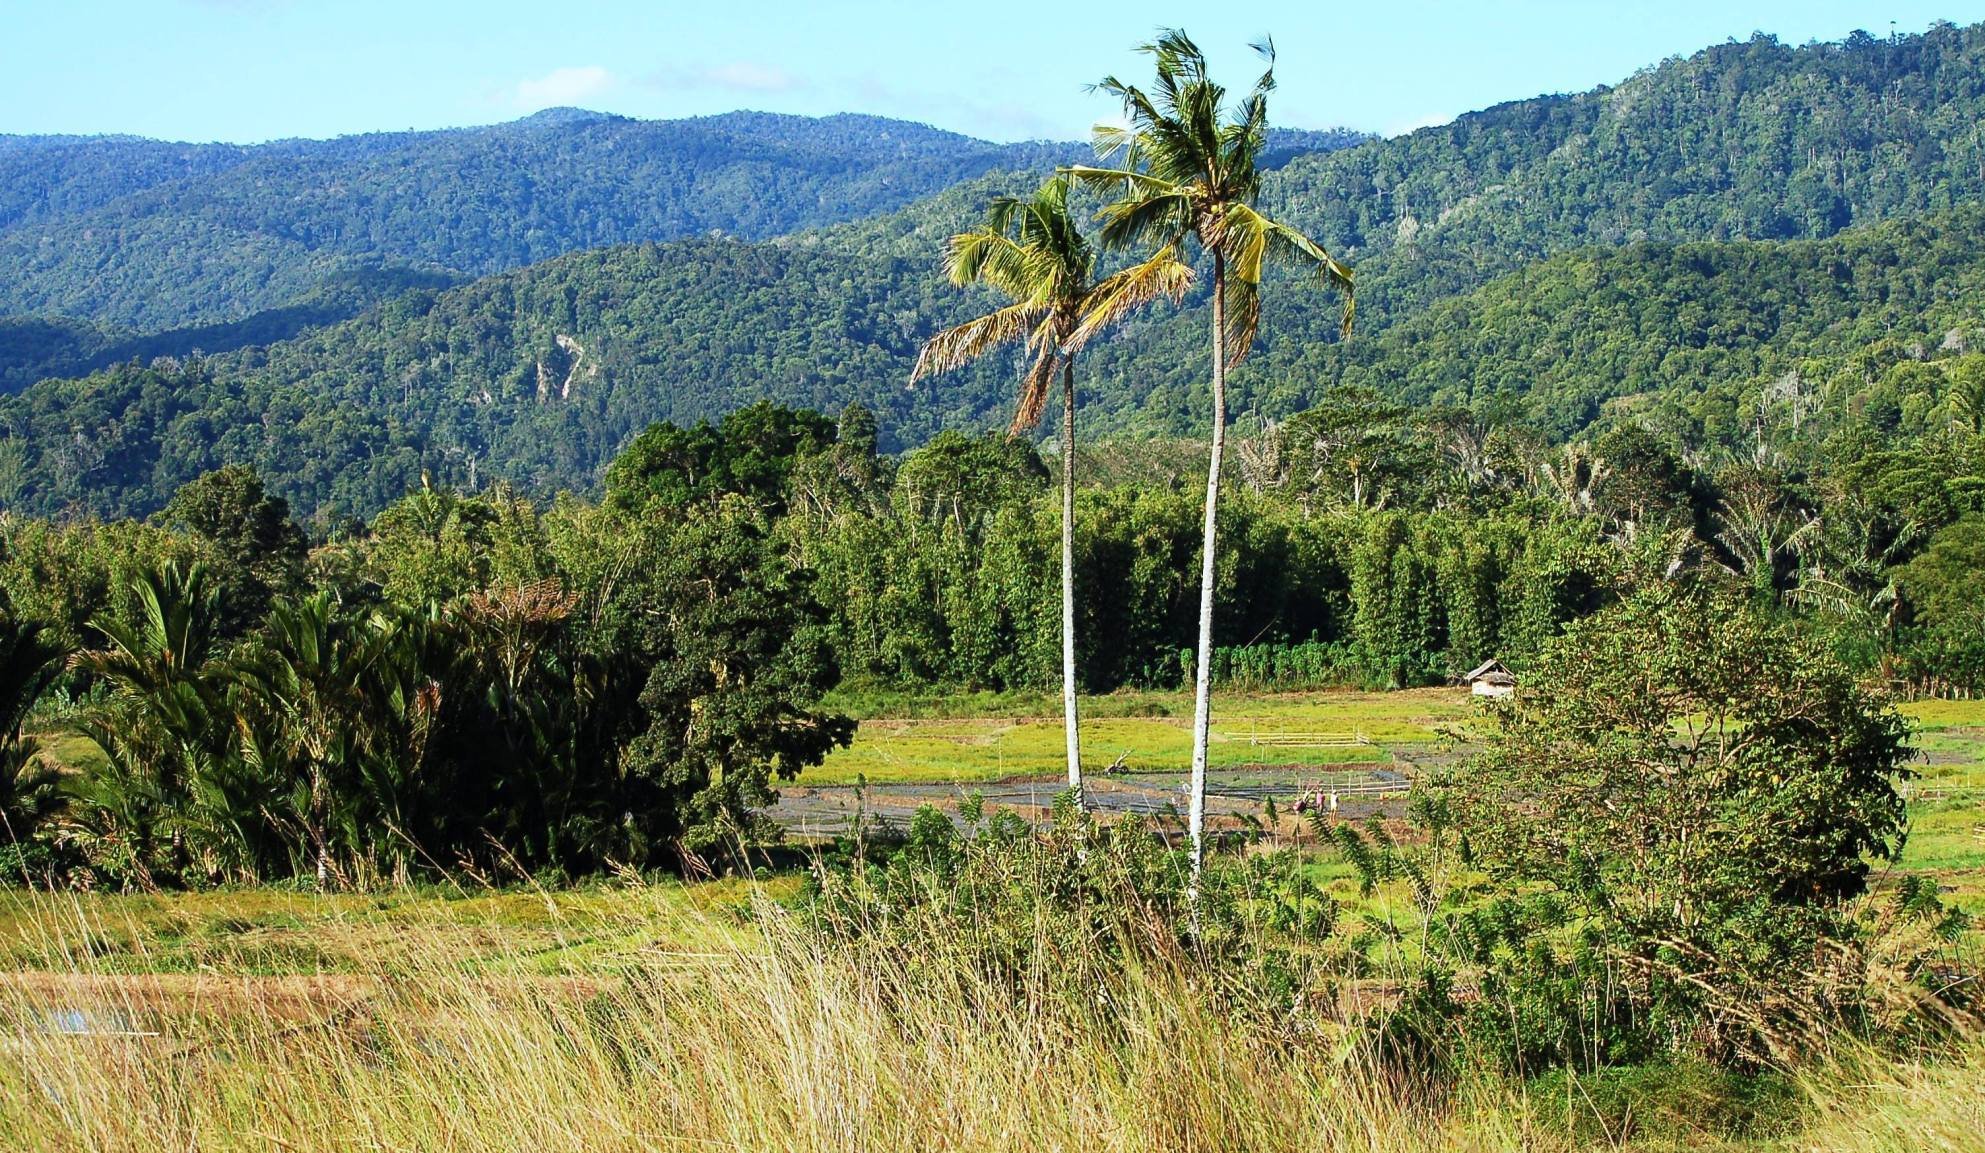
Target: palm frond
column 986, row 256
column 1253, row 241
column 1114, row 298
column 1241, row 305
column 1035, row 388
column 964, row 343
column 1122, row 181
column 1111, row 141
column 1160, row 218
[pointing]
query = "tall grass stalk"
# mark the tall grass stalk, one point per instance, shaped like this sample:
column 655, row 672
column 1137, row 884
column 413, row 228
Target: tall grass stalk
column 785, row 1042
column 769, row 1038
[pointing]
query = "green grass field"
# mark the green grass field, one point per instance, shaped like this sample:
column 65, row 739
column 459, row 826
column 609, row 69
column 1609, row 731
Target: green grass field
column 466, row 1018
column 989, row 737
column 1947, row 800
column 913, row 739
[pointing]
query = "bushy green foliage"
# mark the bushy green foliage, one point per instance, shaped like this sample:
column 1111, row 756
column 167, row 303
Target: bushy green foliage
column 1944, row 589
column 1673, row 815
column 1069, row 910
column 477, row 684
column 260, row 551
column 750, row 453
column 29, row 662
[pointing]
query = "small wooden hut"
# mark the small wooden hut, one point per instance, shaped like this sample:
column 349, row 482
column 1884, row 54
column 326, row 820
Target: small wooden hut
column 1491, row 679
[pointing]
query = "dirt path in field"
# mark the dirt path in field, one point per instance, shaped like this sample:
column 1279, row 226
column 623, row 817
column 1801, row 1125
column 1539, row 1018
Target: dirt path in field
column 1352, row 791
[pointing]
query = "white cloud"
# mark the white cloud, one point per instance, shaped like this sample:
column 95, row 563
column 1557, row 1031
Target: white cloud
column 1414, row 124
column 750, row 77
column 737, row 76
column 562, row 86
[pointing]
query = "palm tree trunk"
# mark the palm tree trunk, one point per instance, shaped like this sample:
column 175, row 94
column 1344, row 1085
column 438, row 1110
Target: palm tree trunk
column 1202, row 700
column 1068, row 711
column 317, row 823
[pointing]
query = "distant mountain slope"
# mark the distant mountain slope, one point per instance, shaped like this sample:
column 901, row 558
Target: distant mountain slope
column 33, row 349
column 242, row 230
column 1746, row 140
column 1528, row 250
column 538, row 376
column 919, row 230
column 54, row 176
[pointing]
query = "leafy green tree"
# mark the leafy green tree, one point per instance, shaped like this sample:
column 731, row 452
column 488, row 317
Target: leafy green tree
column 1967, row 392
column 1033, row 252
column 261, row 551
column 430, row 546
column 733, row 664
column 1943, row 590
column 751, row 452
column 1194, row 173
column 1699, row 787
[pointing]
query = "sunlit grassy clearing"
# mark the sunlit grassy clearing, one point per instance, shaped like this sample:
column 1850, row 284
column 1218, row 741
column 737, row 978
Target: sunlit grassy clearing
column 1947, row 801
column 1021, row 735
column 769, row 1039
column 991, row 736
column 269, row 931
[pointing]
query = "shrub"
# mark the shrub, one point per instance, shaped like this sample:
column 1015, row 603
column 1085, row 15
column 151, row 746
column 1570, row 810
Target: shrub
column 1676, row 808
column 1071, row 908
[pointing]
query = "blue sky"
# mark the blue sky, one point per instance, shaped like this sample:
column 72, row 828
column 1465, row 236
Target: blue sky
column 248, row 70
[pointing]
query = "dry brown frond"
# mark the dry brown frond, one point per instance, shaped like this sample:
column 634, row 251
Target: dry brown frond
column 961, row 344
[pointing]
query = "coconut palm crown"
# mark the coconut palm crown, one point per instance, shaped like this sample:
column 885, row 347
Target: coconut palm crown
column 1189, row 170
column 1032, row 251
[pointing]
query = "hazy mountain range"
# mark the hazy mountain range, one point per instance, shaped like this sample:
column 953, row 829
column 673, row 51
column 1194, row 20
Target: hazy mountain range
column 514, row 302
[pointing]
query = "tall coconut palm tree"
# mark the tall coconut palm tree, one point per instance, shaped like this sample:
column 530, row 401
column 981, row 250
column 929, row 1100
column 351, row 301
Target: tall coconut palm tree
column 1190, row 170
column 1033, row 252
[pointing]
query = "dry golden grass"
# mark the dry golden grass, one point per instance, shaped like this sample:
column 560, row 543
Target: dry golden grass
column 769, row 1038
column 780, row 1043
column 658, row 1018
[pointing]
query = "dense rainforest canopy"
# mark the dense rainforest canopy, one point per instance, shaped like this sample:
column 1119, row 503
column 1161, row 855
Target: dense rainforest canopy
column 1708, row 223
column 1722, row 321
column 619, row 681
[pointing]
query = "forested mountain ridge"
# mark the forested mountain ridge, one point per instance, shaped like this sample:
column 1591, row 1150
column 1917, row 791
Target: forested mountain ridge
column 1526, row 253
column 1745, row 140
column 37, row 349
column 1749, row 140
column 539, row 376
column 536, row 376
column 45, row 177
column 146, row 235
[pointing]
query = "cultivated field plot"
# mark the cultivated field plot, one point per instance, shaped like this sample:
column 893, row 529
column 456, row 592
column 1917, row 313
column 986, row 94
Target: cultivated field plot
column 1350, row 790
column 1947, row 800
column 1021, row 738
column 273, row 932
column 1285, row 746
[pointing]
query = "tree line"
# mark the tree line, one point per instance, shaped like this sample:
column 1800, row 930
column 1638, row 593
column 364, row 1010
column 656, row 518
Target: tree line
column 469, row 670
